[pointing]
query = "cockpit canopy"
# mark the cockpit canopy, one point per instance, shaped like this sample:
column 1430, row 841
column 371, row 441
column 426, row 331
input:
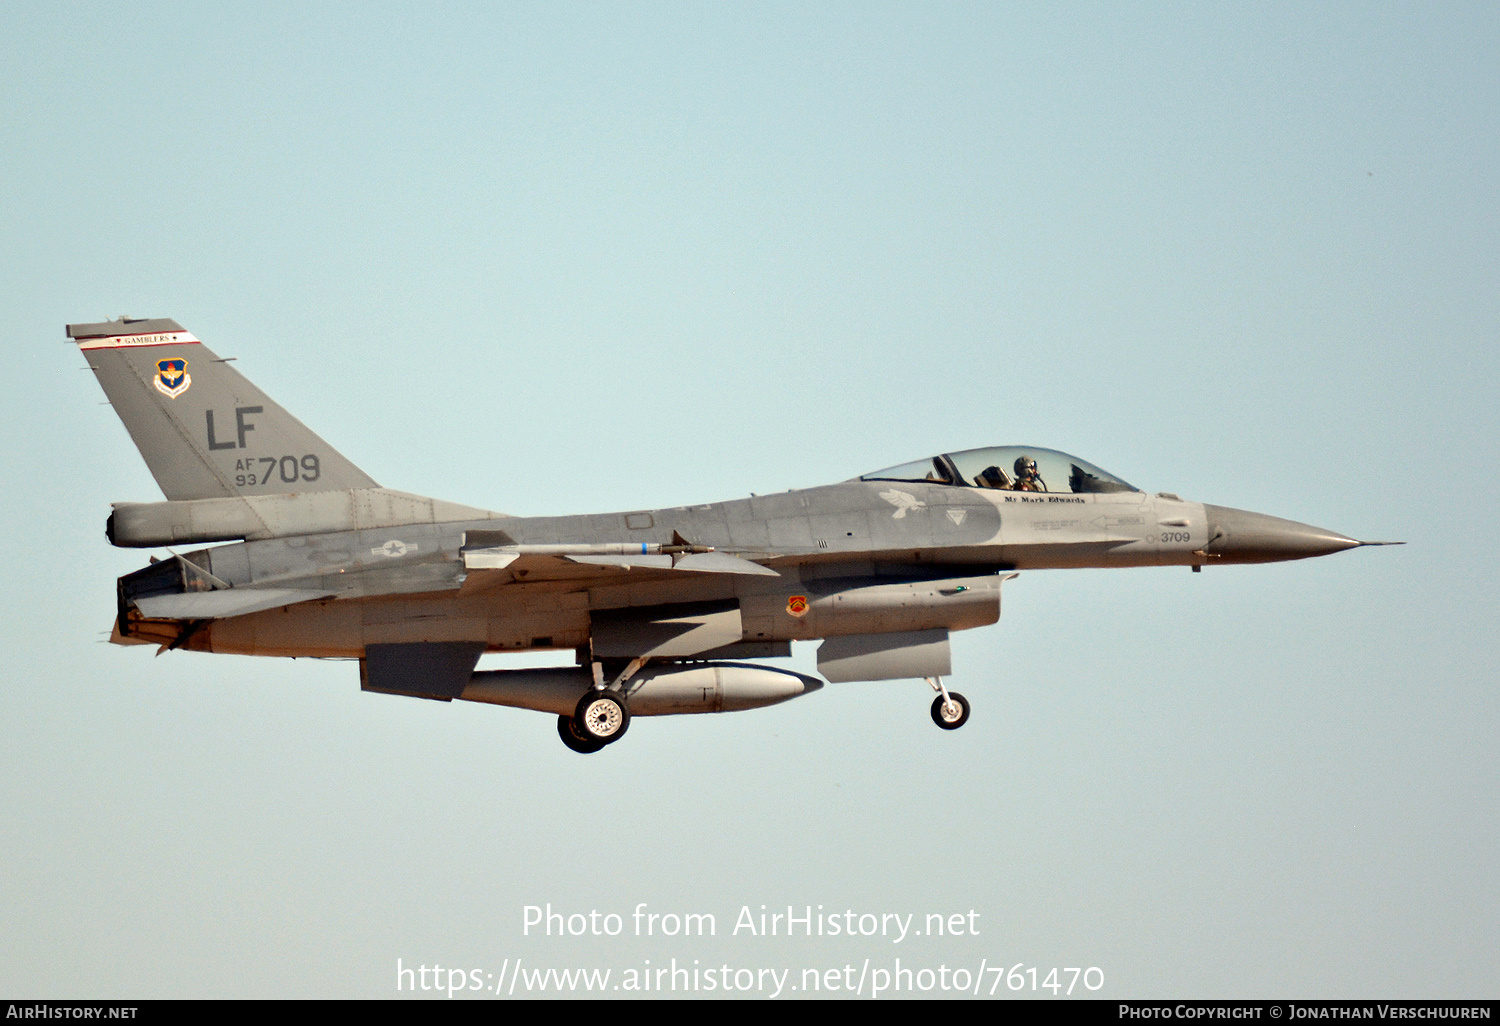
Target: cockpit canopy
column 1018, row 468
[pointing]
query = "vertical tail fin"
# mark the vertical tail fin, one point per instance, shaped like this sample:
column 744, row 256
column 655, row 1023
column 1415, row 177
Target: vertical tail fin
column 204, row 430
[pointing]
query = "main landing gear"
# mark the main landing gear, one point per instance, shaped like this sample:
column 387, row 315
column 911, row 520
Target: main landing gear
column 601, row 716
column 575, row 741
column 950, row 710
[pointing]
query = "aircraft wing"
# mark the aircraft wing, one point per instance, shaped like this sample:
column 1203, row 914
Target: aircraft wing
column 487, row 565
column 483, row 570
column 695, row 562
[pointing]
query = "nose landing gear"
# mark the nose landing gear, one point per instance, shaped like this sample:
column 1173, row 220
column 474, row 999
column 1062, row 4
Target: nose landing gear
column 950, row 710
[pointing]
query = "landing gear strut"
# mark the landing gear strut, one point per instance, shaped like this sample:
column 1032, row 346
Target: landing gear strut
column 950, row 710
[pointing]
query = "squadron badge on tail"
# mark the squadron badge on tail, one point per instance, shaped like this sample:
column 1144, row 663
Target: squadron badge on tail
column 172, row 378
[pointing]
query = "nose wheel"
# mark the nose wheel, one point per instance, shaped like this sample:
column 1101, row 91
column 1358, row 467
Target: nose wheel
column 950, row 710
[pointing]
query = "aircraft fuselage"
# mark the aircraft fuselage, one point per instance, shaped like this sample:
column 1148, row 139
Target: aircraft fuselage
column 865, row 556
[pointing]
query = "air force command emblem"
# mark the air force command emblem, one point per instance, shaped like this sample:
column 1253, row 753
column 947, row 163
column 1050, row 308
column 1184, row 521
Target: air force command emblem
column 172, row 378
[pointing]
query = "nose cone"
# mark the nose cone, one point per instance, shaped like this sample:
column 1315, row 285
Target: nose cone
column 1239, row 536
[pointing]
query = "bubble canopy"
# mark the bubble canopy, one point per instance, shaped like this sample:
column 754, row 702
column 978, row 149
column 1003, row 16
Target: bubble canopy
column 1007, row 468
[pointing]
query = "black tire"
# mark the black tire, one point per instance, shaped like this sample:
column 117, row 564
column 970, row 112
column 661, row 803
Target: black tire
column 944, row 721
column 602, row 717
column 584, row 746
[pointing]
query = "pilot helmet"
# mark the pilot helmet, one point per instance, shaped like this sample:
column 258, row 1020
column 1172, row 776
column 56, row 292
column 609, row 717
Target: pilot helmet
column 1025, row 466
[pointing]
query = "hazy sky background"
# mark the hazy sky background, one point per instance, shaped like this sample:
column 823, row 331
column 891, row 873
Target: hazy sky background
column 549, row 259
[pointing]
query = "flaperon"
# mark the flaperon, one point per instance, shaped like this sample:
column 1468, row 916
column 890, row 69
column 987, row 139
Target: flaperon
column 660, row 605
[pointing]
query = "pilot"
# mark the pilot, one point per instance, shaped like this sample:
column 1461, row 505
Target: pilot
column 1027, row 477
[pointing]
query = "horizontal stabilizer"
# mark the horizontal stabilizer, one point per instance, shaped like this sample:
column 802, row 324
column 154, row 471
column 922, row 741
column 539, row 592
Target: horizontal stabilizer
column 215, row 605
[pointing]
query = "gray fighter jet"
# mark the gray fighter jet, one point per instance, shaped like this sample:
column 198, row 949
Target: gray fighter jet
column 661, row 606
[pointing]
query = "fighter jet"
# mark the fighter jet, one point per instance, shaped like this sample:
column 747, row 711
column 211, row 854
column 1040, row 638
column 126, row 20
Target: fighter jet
column 661, row 607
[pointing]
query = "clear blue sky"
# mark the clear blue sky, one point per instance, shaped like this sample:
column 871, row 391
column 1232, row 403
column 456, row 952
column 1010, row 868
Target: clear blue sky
column 550, row 259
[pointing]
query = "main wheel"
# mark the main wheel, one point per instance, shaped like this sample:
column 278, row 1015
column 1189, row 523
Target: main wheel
column 952, row 715
column 569, row 735
column 602, row 717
